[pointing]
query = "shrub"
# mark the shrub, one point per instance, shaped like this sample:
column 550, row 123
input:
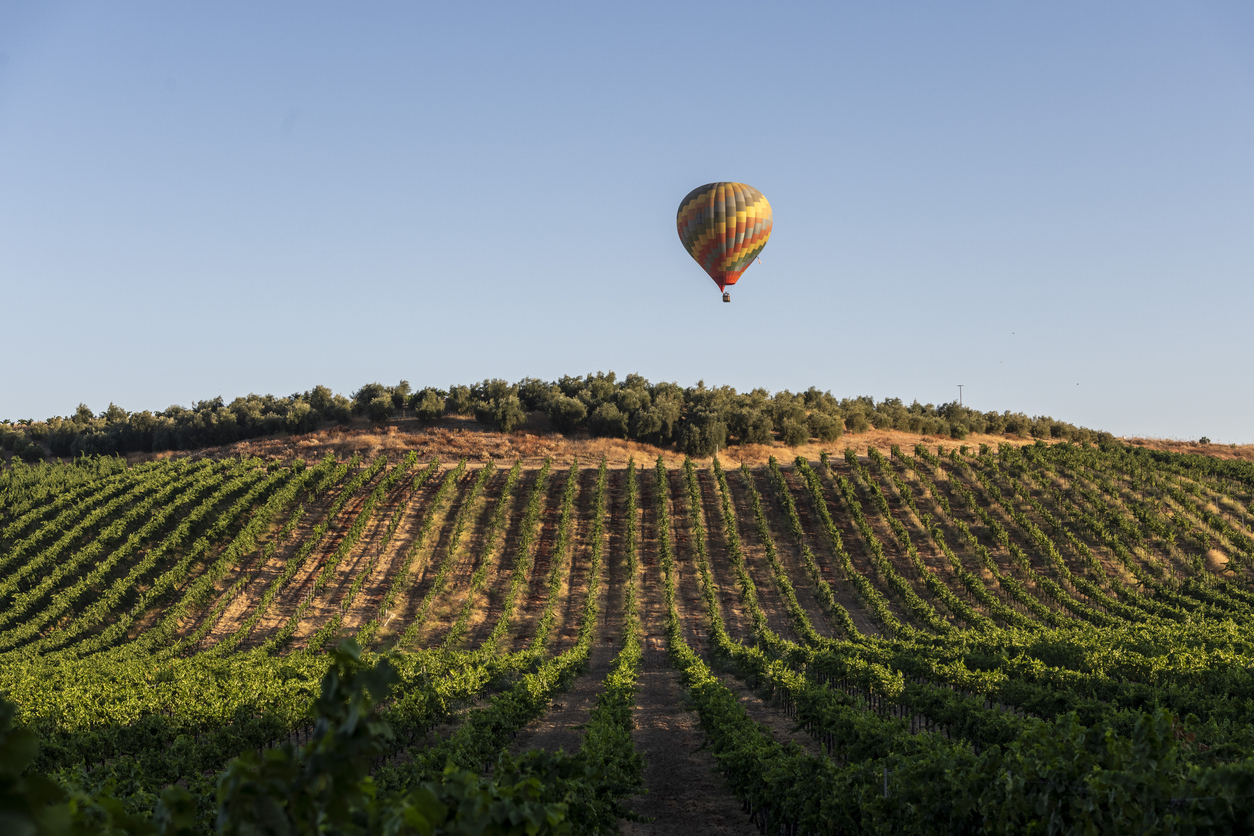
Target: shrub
column 857, row 423
column 31, row 453
column 824, row 427
column 459, row 401
column 381, row 408
column 320, row 398
column 750, row 426
column 632, row 400
column 608, row 421
column 1016, row 424
column 534, row 393
column 509, row 414
column 794, row 433
column 957, row 431
column 657, row 423
column 301, row 418
column 400, row 394
column 787, row 407
column 339, row 410
column 492, row 390
column 567, row 413
column 703, row 435
column 505, row 414
column 428, row 405
column 366, row 395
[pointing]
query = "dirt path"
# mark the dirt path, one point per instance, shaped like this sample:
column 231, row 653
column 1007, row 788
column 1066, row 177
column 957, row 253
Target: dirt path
column 821, row 549
column 468, row 550
column 895, row 550
column 326, row 605
column 484, row 616
column 424, row 562
column 389, row 563
column 570, row 605
column 287, row 601
column 790, row 554
column 689, row 594
column 998, row 553
column 735, row 618
column 859, row 554
column 930, row 552
column 772, row 718
column 756, row 562
column 499, row 556
column 1001, row 554
column 1171, row 556
column 611, row 626
column 685, row 794
column 536, row 593
column 927, row 504
column 248, row 598
column 560, row 727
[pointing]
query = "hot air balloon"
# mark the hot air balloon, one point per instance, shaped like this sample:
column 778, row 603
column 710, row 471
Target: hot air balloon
column 724, row 226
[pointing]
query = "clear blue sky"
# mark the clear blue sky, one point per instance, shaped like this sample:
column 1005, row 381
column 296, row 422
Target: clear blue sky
column 1052, row 204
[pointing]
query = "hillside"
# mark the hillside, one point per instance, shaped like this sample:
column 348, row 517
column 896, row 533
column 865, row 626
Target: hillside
column 902, row 604
column 456, row 437
column 694, row 420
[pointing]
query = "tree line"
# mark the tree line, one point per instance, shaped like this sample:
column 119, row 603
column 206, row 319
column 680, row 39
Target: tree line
column 697, row 420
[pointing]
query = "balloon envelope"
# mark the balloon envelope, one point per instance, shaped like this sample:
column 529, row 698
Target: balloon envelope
column 724, row 226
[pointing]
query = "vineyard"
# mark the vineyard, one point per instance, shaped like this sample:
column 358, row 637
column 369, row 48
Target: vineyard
column 1037, row 639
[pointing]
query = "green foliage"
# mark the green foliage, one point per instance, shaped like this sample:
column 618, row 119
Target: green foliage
column 703, row 434
column 567, row 414
column 505, row 414
column 657, row 423
column 324, row 785
column 459, row 401
column 494, row 389
column 750, row 425
column 786, row 407
column 608, row 421
column 380, row 408
column 428, row 405
column 534, row 393
column 366, row 395
column 400, row 394
column 655, row 413
column 824, row 427
column 301, row 419
column 857, row 423
column 794, row 433
column 28, row 802
column 1094, row 677
column 31, row 453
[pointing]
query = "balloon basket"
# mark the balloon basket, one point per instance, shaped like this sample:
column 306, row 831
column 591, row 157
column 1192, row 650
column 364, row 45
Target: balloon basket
column 726, row 297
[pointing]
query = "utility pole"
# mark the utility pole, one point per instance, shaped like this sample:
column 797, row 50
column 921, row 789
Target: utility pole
column 960, row 385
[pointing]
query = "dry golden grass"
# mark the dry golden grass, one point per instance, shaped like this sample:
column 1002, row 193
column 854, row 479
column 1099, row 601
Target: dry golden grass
column 1244, row 452
column 458, row 437
column 1217, row 561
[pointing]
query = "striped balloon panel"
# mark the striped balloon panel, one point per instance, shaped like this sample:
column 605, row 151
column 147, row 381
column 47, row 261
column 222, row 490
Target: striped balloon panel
column 724, row 226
